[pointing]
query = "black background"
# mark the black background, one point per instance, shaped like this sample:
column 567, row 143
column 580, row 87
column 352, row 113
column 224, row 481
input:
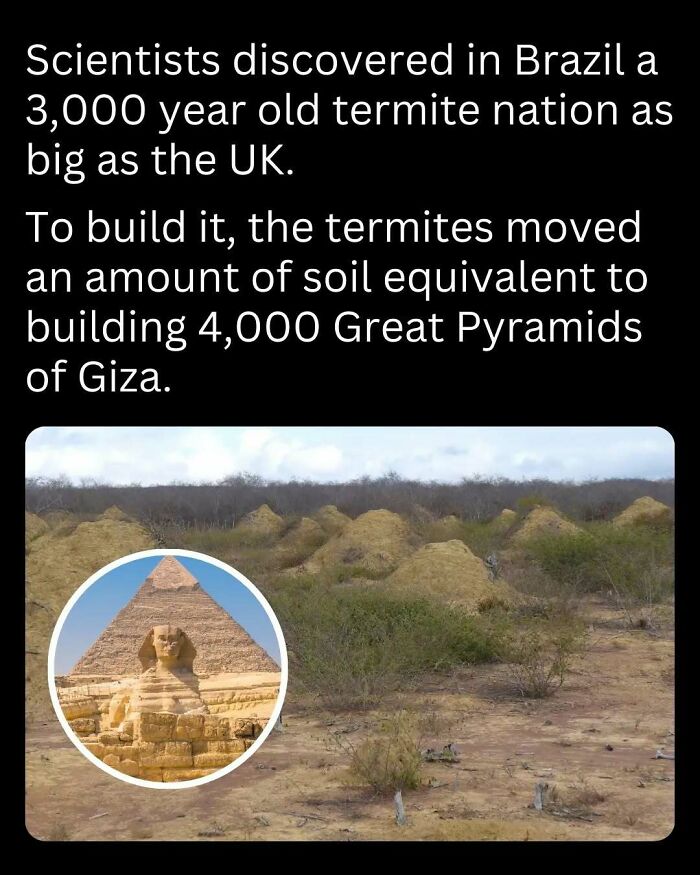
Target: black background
column 473, row 172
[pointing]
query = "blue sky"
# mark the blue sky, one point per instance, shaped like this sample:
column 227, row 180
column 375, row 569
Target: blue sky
column 98, row 606
column 163, row 455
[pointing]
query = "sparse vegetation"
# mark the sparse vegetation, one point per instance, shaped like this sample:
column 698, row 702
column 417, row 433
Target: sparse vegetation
column 388, row 761
column 357, row 643
column 352, row 646
column 633, row 566
column 539, row 654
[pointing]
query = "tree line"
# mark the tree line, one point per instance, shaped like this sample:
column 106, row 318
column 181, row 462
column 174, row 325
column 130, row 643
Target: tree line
column 223, row 503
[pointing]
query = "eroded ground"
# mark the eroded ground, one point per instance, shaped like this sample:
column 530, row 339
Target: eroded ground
column 619, row 696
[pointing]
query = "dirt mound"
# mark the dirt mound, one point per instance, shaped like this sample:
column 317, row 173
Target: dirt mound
column 543, row 521
column 450, row 572
column 331, row 520
column 61, row 521
column 56, row 566
column 505, row 519
column 305, row 531
column 421, row 515
column 34, row 527
column 298, row 543
column 447, row 528
column 115, row 513
column 263, row 521
column 643, row 510
column 376, row 542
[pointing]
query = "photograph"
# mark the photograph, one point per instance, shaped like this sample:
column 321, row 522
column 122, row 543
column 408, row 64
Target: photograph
column 173, row 688
column 478, row 624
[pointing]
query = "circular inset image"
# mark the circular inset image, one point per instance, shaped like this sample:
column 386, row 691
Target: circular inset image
column 167, row 669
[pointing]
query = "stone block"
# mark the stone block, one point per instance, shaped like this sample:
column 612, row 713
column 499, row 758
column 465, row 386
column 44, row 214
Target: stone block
column 83, row 726
column 108, row 737
column 185, row 774
column 150, row 774
column 127, row 729
column 128, row 767
column 156, row 727
column 173, row 754
column 82, row 708
column 215, row 727
column 214, row 760
column 111, row 760
column 218, row 745
column 120, row 750
column 189, row 726
column 95, row 748
column 246, row 728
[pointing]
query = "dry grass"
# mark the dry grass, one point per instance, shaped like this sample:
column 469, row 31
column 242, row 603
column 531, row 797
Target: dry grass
column 389, row 761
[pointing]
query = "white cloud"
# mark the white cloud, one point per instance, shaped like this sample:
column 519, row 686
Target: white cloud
column 164, row 455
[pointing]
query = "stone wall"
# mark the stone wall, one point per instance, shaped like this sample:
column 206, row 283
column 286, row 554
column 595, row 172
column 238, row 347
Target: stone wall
column 166, row 747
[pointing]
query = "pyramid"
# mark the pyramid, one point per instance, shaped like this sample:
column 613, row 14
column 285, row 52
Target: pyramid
column 170, row 594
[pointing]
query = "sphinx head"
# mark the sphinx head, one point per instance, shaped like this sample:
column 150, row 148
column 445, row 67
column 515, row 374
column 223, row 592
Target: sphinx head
column 168, row 646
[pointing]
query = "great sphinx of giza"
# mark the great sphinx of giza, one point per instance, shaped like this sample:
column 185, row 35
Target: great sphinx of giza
column 167, row 683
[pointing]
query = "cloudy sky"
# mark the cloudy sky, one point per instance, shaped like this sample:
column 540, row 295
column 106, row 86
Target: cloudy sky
column 164, row 455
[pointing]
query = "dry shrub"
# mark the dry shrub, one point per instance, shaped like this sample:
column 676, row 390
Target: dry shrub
column 539, row 655
column 584, row 795
column 492, row 603
column 389, row 761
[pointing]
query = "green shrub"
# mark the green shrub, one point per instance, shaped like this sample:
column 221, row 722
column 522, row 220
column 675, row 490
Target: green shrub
column 351, row 646
column 635, row 562
column 483, row 538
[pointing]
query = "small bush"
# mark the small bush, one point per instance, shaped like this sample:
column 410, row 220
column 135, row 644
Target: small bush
column 539, row 656
column 389, row 761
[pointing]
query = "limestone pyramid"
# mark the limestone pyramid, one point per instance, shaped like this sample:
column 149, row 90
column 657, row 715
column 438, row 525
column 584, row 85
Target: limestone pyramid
column 643, row 510
column 170, row 594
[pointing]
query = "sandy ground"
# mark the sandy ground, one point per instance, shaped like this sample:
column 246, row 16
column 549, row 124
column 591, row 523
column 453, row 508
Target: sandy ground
column 619, row 696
